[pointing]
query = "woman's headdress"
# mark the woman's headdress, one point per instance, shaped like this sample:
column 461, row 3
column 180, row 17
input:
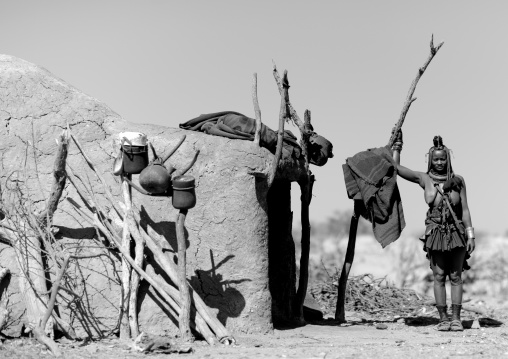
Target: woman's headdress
column 438, row 145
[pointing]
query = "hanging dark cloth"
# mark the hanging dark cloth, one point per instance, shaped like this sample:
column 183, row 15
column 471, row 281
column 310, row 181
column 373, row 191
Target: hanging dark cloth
column 234, row 125
column 371, row 179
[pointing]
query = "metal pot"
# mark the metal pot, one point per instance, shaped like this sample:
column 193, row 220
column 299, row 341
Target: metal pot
column 135, row 158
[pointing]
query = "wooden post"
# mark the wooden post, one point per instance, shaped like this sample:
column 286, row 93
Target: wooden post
column 184, row 318
column 348, row 262
column 134, row 284
column 125, row 332
column 257, row 110
column 306, row 184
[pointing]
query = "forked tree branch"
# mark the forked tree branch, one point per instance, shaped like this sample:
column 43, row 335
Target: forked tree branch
column 283, row 115
column 292, row 112
column 410, row 99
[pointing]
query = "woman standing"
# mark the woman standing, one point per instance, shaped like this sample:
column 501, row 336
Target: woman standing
column 449, row 236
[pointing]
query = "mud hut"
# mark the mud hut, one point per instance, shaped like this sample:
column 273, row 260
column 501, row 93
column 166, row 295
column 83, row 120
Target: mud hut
column 240, row 251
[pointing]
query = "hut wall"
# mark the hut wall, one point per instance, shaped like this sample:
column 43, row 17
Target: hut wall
column 228, row 240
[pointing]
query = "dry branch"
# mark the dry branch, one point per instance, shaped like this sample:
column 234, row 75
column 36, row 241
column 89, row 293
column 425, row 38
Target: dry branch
column 283, row 115
column 292, row 112
column 170, row 296
column 28, row 234
column 257, row 110
column 54, row 291
column 410, row 99
column 103, row 182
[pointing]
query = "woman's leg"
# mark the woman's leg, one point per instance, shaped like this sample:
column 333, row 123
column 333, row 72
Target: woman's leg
column 438, row 265
column 439, row 269
column 456, row 260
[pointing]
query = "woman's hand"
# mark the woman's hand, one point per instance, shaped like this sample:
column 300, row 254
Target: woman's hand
column 470, row 245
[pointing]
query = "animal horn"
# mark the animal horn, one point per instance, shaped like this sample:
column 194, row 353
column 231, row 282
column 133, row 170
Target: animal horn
column 188, row 167
column 174, row 149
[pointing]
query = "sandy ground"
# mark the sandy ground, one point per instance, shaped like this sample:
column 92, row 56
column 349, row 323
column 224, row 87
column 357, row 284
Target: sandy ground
column 412, row 337
column 406, row 338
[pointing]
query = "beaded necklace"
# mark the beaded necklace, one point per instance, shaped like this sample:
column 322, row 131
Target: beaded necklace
column 437, row 177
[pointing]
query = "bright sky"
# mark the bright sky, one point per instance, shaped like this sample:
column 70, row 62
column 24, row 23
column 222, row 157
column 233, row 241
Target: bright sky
column 349, row 62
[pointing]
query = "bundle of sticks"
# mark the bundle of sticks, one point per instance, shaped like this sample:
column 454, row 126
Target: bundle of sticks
column 371, row 295
column 96, row 214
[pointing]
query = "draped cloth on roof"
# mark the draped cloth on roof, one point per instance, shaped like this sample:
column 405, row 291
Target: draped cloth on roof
column 371, row 178
column 235, row 125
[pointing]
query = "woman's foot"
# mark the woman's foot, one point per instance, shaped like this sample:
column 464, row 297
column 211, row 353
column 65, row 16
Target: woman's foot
column 444, row 321
column 456, row 324
column 443, row 326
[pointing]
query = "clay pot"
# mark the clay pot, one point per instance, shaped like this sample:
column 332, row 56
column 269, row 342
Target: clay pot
column 184, row 194
column 155, row 178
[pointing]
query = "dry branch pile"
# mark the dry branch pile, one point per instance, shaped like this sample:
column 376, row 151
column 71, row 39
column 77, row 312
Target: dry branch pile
column 366, row 294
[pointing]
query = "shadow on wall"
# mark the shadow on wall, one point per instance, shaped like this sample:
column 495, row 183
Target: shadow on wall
column 217, row 292
column 166, row 229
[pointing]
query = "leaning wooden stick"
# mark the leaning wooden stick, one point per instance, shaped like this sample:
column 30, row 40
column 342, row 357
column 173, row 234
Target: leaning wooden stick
column 164, row 261
column 104, row 226
column 410, row 99
column 112, row 237
column 257, row 110
column 204, row 317
column 340, row 314
column 99, row 176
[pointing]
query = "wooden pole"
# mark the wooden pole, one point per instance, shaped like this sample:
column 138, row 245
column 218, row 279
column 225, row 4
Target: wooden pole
column 257, row 110
column 348, row 262
column 135, row 280
column 184, row 318
column 306, row 185
column 125, row 332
